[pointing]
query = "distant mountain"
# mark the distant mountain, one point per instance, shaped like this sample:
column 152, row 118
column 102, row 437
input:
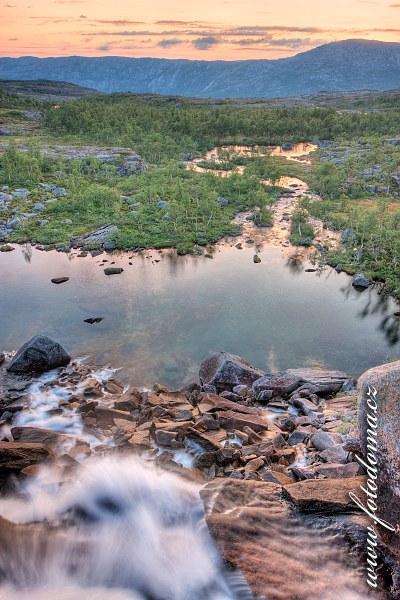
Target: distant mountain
column 347, row 65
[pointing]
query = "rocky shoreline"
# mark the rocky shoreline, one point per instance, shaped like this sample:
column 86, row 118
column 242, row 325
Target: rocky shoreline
column 283, row 442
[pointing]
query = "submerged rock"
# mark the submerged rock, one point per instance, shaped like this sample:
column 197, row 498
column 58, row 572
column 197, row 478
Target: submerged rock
column 39, row 354
column 58, row 280
column 113, row 270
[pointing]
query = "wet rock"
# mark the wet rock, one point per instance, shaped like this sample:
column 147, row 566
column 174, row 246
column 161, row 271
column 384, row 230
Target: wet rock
column 53, row 439
column 19, row 455
column 360, row 281
column 58, row 280
column 329, row 495
column 39, row 354
column 113, row 270
column 105, row 416
column 225, row 371
column 279, row 383
column 378, row 392
column 256, row 259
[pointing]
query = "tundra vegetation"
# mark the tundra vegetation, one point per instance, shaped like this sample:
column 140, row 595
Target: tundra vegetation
column 156, row 201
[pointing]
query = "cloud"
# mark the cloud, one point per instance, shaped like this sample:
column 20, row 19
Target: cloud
column 12, row 39
column 104, row 47
column 205, row 43
column 169, row 43
column 118, row 22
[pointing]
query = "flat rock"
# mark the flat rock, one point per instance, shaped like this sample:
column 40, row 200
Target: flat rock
column 326, row 382
column 323, row 440
column 48, row 437
column 58, row 280
column 329, row 495
column 113, row 270
column 338, row 471
column 234, row 420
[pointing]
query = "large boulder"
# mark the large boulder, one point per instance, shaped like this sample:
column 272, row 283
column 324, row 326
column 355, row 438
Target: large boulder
column 225, row 371
column 379, row 397
column 38, row 355
column 15, row 456
column 322, row 381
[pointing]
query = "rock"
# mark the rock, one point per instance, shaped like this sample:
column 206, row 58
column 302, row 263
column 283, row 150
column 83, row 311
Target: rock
column 328, row 495
column 378, row 392
column 99, row 236
column 59, row 280
column 256, row 258
column 222, row 201
column 57, row 191
column 162, row 205
column 34, row 435
column 279, row 383
column 323, row 440
column 324, row 382
column 38, row 355
column 334, row 454
column 225, row 371
column 113, row 270
column 6, row 248
column 264, row 396
column 338, row 471
column 105, row 416
column 92, row 320
column 16, row 456
column 297, row 437
column 240, row 390
column 38, row 206
column 109, row 246
column 21, row 193
column 348, row 235
column 234, row 420
column 360, row 281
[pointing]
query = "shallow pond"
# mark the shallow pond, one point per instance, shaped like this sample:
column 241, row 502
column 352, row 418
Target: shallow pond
column 165, row 313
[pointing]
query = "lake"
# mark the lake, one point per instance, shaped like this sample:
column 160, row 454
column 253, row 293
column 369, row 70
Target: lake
column 161, row 318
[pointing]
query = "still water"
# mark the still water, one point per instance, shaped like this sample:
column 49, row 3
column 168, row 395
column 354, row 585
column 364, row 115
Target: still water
column 165, row 313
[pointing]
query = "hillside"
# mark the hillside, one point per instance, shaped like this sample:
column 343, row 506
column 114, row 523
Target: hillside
column 339, row 66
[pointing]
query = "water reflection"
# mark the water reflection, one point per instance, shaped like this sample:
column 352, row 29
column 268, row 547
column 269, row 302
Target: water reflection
column 162, row 318
column 27, row 252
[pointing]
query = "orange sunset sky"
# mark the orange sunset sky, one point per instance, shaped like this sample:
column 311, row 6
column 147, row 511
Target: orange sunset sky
column 206, row 29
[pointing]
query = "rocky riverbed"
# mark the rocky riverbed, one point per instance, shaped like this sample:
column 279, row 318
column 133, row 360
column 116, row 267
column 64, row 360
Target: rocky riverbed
column 273, row 455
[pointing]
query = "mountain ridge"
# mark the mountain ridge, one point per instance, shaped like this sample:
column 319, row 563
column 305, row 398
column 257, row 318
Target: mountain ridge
column 348, row 65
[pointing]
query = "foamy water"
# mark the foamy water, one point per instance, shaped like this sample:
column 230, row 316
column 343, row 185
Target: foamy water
column 118, row 529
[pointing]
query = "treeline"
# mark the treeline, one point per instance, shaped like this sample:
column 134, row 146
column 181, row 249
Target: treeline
column 159, row 128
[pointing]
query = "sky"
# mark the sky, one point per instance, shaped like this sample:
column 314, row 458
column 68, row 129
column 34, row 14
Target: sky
column 206, row 29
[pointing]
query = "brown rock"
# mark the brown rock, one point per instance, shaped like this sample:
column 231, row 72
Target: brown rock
column 235, row 420
column 105, row 416
column 53, row 439
column 19, row 455
column 325, row 382
column 338, row 471
column 329, row 495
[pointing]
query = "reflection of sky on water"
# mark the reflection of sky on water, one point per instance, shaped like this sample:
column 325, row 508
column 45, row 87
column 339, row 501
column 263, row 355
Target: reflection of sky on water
column 162, row 318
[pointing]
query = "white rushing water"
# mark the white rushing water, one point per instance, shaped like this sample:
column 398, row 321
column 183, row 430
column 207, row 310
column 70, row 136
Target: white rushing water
column 119, row 528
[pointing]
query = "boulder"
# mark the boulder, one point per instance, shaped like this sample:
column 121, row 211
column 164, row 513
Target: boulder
column 256, row 258
column 99, row 236
column 34, row 435
column 225, row 371
column 38, row 355
column 378, row 391
column 113, row 270
column 59, row 280
column 279, row 383
column 323, row 440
